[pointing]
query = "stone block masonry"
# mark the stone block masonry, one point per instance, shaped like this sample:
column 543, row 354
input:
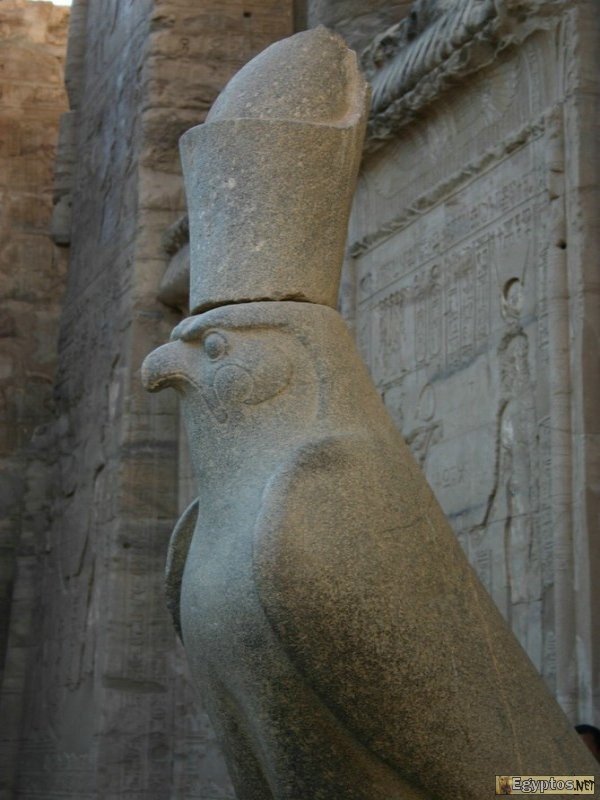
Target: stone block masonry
column 108, row 711
column 32, row 276
column 474, row 295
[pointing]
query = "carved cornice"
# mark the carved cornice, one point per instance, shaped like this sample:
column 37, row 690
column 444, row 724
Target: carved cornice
column 437, row 44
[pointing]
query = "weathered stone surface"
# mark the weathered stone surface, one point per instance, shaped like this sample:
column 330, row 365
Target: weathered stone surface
column 165, row 70
column 344, row 645
column 247, row 168
column 472, row 238
column 356, row 20
column 175, row 284
column 324, row 596
column 32, row 277
column 60, row 229
column 108, row 698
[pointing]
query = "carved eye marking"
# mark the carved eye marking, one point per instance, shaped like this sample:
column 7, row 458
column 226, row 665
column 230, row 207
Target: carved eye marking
column 215, row 345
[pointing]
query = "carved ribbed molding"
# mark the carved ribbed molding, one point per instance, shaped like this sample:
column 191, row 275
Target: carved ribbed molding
column 412, row 63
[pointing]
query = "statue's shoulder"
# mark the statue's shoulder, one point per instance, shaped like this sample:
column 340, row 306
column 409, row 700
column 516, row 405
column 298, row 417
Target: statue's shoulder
column 338, row 482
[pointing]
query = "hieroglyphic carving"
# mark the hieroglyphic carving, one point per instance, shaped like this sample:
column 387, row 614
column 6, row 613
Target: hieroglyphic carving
column 420, row 306
column 429, row 430
column 445, row 301
column 484, row 184
column 466, row 269
column 482, row 294
column 393, row 336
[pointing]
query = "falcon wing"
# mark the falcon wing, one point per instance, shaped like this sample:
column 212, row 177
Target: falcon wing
column 369, row 592
column 340, row 573
column 179, row 544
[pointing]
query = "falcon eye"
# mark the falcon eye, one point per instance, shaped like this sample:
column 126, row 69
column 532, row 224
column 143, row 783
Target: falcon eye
column 215, row 345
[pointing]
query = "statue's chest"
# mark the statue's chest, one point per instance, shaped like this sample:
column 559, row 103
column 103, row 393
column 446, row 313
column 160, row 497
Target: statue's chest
column 223, row 621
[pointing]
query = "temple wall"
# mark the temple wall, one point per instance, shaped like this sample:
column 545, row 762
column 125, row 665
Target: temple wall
column 472, row 288
column 32, row 278
column 107, row 709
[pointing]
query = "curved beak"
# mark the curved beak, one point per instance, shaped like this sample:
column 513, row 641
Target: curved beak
column 175, row 364
column 165, row 366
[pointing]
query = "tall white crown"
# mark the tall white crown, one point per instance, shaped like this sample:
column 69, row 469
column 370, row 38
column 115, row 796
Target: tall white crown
column 271, row 173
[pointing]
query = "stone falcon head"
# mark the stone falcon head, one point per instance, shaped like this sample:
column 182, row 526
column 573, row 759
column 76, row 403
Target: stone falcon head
column 257, row 382
column 252, row 366
column 226, row 363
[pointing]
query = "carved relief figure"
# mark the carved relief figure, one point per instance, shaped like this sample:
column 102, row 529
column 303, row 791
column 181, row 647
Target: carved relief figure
column 516, row 434
column 429, row 430
column 508, row 530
